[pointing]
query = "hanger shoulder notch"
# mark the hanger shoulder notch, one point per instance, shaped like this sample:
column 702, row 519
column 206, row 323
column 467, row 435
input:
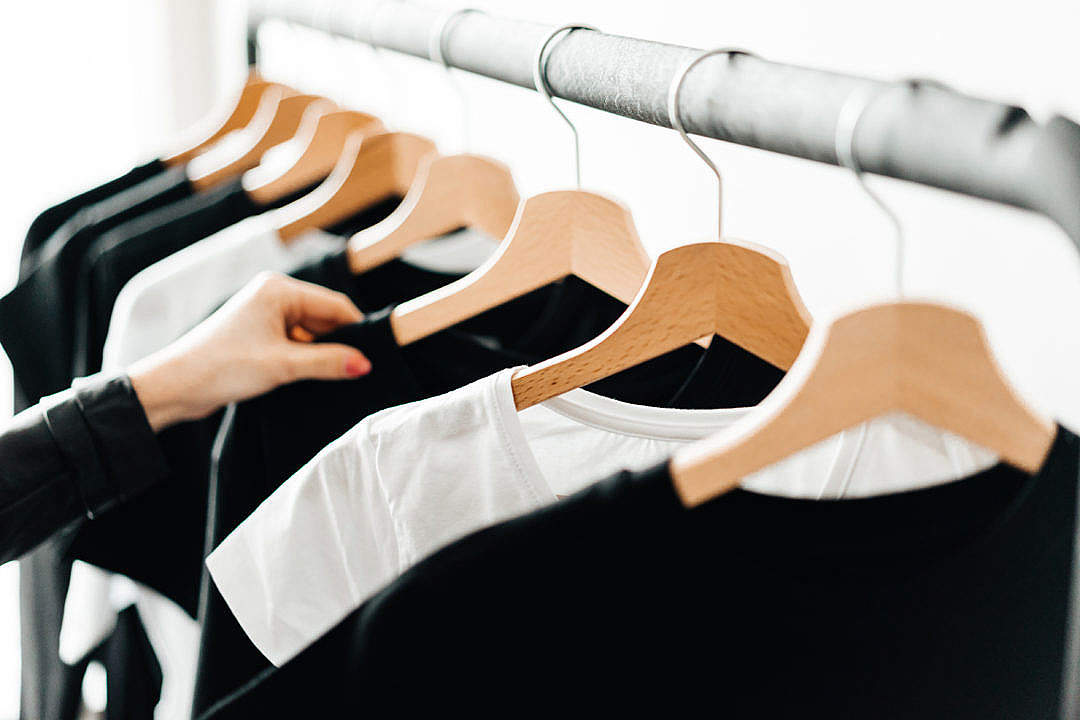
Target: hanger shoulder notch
column 449, row 192
column 285, row 119
column 319, row 150
column 548, row 240
column 245, row 105
column 675, row 305
column 738, row 291
column 930, row 361
column 372, row 168
column 759, row 308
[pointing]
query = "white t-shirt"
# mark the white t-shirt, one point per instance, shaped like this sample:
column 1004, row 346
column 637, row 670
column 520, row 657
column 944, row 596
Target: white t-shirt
column 408, row 480
column 173, row 295
column 155, row 307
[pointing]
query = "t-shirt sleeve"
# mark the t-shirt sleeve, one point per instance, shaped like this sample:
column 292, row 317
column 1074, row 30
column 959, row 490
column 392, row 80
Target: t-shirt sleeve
column 312, row 552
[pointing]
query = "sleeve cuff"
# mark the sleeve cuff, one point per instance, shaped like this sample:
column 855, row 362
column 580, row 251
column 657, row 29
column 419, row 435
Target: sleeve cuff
column 105, row 436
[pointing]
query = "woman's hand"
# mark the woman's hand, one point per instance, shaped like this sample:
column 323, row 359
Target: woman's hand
column 258, row 340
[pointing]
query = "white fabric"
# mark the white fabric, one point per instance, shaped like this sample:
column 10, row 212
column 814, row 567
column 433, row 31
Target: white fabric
column 154, row 308
column 408, row 480
column 171, row 296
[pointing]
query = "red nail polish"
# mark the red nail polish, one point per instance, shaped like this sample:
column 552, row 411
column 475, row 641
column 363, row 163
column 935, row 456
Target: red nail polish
column 357, row 366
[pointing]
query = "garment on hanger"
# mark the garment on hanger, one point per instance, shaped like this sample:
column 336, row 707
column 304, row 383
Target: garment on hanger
column 950, row 601
column 269, row 438
column 35, row 321
column 37, row 317
column 49, row 220
column 137, row 244
column 146, row 317
column 408, row 480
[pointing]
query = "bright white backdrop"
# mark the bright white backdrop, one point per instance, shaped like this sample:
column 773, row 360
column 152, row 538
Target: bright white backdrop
column 95, row 87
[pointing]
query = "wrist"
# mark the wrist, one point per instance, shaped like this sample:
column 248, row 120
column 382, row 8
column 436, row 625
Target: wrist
column 162, row 391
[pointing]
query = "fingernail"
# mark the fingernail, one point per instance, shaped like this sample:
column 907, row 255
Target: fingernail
column 357, row 366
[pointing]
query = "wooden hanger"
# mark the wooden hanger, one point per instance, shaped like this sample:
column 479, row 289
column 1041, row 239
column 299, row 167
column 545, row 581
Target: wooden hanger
column 555, row 234
column 278, row 118
column 371, row 169
column 449, row 192
column 740, row 292
column 317, row 147
column 244, row 106
column 925, row 359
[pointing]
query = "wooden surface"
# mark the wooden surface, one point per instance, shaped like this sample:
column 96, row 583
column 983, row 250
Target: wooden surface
column 927, row 360
column 320, row 143
column 276, row 121
column 240, row 112
column 450, row 192
column 372, row 168
column 555, row 234
column 741, row 292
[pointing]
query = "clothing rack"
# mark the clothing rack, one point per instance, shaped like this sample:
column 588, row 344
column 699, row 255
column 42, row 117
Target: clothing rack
column 920, row 132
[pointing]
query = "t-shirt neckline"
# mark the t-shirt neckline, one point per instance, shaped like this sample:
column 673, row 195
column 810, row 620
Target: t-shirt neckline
column 615, row 416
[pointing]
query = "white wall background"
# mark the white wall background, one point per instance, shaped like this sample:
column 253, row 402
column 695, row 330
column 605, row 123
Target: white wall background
column 94, row 87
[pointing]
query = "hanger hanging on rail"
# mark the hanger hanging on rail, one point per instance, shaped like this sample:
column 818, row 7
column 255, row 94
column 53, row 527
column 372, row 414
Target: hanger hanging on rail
column 450, row 192
column 317, row 146
column 243, row 109
column 278, row 118
column 554, row 234
column 742, row 292
column 310, row 156
column 372, row 168
column 925, row 359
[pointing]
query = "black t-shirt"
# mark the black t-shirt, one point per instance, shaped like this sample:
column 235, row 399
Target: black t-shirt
column 37, row 317
column 121, row 253
column 49, row 220
column 948, row 602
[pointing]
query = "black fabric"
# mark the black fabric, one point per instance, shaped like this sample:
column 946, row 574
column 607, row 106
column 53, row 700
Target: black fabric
column 35, row 327
column 37, row 317
column 133, row 679
column 94, row 450
column 271, row 437
column 121, row 253
column 727, row 376
column 948, row 602
column 49, row 220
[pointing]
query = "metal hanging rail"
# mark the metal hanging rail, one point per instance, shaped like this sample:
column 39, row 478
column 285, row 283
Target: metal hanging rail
column 919, row 132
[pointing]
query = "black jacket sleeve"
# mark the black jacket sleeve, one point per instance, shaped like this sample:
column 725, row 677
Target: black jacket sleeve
column 71, row 457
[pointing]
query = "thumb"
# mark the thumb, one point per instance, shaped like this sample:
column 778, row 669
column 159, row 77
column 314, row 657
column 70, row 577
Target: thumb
column 326, row 361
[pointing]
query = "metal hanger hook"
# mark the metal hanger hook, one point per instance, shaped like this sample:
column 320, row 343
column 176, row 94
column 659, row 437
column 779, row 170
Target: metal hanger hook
column 675, row 119
column 847, row 121
column 541, row 84
column 437, row 53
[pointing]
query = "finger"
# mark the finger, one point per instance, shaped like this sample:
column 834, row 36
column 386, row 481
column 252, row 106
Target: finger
column 326, row 361
column 316, row 327
column 314, row 307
